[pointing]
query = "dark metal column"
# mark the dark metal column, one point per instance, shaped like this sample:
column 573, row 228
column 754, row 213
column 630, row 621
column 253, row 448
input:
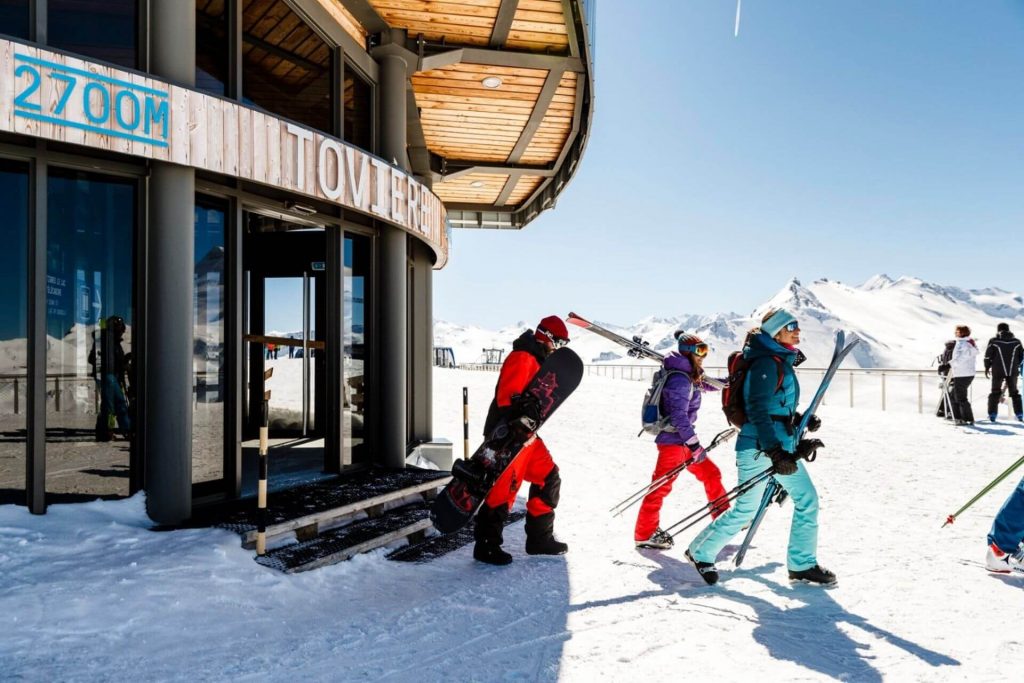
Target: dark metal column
column 393, row 303
column 35, row 474
column 170, row 266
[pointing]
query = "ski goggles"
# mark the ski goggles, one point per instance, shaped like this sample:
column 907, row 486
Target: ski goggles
column 556, row 342
column 699, row 350
column 791, row 327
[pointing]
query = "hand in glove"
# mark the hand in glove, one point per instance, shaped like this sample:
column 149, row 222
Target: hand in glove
column 813, row 422
column 783, row 461
column 697, row 453
column 808, row 449
column 988, row 373
column 528, row 406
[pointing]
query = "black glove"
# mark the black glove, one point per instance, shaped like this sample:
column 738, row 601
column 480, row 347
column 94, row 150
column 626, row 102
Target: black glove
column 808, row 449
column 783, row 461
column 812, row 423
column 528, row 406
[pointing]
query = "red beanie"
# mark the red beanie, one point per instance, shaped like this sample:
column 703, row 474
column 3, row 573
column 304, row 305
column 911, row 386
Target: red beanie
column 554, row 326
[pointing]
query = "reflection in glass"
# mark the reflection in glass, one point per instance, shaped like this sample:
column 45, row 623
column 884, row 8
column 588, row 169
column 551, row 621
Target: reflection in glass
column 353, row 419
column 14, row 18
column 212, row 46
column 208, row 364
column 106, row 30
column 287, row 67
column 13, row 329
column 89, row 311
column 358, row 111
column 283, row 317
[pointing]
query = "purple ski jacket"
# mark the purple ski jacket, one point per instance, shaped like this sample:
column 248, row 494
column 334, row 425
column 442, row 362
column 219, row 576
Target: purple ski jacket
column 680, row 401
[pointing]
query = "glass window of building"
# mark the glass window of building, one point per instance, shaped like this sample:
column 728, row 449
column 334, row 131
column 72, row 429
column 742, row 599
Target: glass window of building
column 358, row 103
column 14, row 18
column 107, row 30
column 355, row 401
column 208, row 361
column 90, row 381
column 13, row 329
column 287, row 66
column 213, row 46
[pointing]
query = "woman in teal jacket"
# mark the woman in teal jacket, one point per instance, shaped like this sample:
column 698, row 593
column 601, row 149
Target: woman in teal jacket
column 771, row 393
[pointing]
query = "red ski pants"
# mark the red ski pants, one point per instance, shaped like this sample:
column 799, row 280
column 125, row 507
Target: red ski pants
column 669, row 457
column 535, row 465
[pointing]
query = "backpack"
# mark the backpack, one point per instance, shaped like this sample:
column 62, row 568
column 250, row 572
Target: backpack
column 651, row 420
column 945, row 358
column 732, row 396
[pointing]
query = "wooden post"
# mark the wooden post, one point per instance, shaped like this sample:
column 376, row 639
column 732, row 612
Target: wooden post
column 261, row 497
column 465, row 422
column 56, row 392
column 15, row 395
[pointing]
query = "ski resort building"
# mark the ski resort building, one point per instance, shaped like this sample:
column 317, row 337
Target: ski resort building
column 206, row 202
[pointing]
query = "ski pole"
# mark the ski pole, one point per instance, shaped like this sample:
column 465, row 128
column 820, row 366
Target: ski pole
column 728, row 496
column 635, row 498
column 972, row 501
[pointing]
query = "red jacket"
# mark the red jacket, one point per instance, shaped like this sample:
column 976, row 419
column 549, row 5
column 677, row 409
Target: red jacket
column 516, row 372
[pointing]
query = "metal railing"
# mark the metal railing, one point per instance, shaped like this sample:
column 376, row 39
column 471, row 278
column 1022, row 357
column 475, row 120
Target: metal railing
column 879, row 388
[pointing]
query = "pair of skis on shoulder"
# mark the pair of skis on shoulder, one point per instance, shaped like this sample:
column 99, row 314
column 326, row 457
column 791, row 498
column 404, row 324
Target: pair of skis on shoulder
column 774, row 491
column 635, row 347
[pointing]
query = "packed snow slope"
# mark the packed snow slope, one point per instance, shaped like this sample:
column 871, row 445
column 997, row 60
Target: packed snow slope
column 89, row 592
column 902, row 323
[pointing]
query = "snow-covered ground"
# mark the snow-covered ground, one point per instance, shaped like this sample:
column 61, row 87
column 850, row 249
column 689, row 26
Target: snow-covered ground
column 89, row 592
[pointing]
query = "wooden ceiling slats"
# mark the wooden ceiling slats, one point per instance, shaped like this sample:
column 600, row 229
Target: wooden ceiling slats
column 523, row 189
column 346, row 20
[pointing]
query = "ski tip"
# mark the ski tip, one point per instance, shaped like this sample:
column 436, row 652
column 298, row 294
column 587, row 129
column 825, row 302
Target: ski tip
column 949, row 520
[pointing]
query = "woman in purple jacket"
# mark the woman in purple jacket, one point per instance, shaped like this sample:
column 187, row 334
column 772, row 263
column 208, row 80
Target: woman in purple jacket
column 678, row 442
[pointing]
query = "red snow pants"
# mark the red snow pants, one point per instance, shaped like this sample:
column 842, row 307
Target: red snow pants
column 536, row 466
column 669, row 457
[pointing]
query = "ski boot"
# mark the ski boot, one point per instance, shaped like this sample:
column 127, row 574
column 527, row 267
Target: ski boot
column 707, row 570
column 999, row 562
column 991, row 417
column 659, row 540
column 816, row 575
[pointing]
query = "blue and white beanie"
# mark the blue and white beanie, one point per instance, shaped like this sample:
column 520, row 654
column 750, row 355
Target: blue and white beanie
column 776, row 322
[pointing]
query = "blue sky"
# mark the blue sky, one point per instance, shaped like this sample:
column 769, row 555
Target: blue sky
column 830, row 139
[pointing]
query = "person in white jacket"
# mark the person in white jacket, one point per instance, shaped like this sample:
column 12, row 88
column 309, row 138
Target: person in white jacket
column 962, row 368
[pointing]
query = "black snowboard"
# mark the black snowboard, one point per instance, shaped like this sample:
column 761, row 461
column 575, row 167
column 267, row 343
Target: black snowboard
column 472, row 480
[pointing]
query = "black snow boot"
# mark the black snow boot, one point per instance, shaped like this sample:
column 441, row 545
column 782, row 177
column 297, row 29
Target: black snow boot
column 490, row 553
column 816, row 575
column 707, row 570
column 540, row 536
column 487, row 530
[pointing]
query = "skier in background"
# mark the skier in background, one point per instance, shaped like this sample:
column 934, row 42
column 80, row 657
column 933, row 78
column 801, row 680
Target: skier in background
column 770, row 407
column 110, row 370
column 962, row 368
column 1003, row 364
column 678, row 442
column 1005, row 550
column 533, row 464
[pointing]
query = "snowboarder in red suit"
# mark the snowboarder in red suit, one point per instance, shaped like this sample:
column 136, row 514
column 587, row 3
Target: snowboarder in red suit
column 534, row 464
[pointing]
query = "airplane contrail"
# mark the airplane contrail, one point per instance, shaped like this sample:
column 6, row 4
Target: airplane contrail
column 736, row 31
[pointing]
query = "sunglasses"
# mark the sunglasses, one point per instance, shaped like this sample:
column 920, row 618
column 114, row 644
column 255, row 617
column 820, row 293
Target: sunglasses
column 556, row 342
column 699, row 350
column 792, row 327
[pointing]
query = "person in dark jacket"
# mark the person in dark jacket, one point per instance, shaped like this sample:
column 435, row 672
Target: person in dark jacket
column 110, row 370
column 534, row 463
column 1003, row 357
column 771, row 393
column 678, row 442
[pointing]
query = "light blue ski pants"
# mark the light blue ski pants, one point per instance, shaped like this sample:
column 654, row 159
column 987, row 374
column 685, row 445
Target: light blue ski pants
column 803, row 533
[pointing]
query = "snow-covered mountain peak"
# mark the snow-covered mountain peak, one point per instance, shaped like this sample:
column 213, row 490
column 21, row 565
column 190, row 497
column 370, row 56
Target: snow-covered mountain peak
column 880, row 281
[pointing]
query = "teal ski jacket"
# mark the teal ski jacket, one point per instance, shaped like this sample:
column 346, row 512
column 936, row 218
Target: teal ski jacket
column 768, row 404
